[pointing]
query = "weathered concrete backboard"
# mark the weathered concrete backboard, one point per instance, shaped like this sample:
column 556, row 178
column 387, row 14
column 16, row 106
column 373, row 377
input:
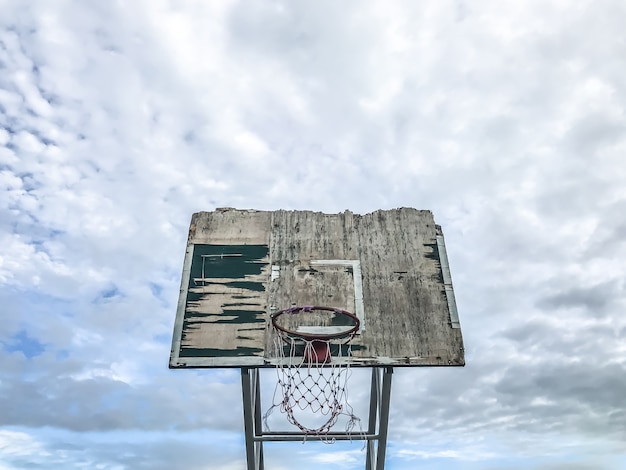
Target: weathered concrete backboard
column 388, row 267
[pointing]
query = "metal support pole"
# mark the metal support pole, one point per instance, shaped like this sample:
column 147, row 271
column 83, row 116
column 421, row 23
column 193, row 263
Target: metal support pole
column 371, row 427
column 248, row 417
column 383, row 422
column 258, row 423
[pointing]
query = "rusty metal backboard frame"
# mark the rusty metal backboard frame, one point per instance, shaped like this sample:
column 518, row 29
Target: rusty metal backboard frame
column 389, row 267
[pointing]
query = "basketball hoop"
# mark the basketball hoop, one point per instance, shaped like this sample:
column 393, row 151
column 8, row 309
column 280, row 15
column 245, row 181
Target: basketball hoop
column 308, row 378
column 316, row 345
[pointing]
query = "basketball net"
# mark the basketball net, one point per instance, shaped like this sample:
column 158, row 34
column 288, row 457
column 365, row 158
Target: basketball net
column 312, row 384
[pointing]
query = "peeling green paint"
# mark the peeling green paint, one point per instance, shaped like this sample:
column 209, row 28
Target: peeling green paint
column 212, row 352
column 255, row 286
column 434, row 255
column 239, row 304
column 241, row 316
column 225, row 288
column 434, row 251
column 227, row 261
column 212, row 262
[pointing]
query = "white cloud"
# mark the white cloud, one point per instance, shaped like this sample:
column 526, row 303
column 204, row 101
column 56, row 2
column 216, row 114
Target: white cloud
column 341, row 459
column 14, row 443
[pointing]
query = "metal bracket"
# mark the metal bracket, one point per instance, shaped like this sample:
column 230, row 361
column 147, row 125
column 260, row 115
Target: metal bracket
column 376, row 435
column 447, row 279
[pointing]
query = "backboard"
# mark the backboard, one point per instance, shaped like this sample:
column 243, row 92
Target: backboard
column 388, row 267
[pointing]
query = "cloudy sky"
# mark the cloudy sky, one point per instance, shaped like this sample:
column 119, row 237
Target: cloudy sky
column 119, row 119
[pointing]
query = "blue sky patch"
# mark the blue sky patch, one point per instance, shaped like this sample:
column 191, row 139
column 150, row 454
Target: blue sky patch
column 110, row 292
column 156, row 289
column 25, row 344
